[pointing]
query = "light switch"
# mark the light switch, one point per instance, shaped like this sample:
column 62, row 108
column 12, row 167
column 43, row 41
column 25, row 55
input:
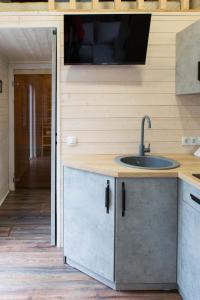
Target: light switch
column 71, row 140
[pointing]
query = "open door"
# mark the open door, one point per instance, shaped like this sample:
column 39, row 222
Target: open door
column 54, row 139
column 32, row 119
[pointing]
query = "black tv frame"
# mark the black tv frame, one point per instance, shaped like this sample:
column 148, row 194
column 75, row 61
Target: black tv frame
column 148, row 19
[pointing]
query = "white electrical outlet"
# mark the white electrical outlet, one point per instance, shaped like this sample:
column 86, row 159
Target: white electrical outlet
column 186, row 140
column 190, row 140
column 193, row 140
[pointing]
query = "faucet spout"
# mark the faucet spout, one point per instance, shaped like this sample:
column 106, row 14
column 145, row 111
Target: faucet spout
column 148, row 120
column 142, row 148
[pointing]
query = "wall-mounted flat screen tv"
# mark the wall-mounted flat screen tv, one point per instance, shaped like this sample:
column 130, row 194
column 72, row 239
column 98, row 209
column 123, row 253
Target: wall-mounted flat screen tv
column 106, row 38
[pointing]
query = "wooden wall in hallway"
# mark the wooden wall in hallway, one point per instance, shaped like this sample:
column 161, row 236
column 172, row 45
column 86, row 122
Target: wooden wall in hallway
column 3, row 129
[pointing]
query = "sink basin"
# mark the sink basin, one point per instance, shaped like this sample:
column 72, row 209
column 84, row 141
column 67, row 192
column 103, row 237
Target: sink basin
column 147, row 162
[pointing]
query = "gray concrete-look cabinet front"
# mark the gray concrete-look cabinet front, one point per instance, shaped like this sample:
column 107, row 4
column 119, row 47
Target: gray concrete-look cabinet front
column 88, row 229
column 187, row 58
column 147, row 233
column 134, row 245
column 189, row 243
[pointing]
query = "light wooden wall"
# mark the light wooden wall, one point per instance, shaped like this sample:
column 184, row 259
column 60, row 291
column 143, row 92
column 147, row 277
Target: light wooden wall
column 103, row 105
column 3, row 130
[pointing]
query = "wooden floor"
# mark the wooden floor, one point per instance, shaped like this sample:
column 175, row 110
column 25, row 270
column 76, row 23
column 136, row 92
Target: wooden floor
column 31, row 269
column 37, row 174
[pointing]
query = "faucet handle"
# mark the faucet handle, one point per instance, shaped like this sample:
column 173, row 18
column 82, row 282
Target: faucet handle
column 148, row 149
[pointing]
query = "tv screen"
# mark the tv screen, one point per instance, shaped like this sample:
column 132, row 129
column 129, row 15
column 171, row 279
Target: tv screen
column 106, row 38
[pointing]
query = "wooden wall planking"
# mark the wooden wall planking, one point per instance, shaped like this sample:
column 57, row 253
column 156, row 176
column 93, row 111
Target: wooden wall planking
column 164, row 111
column 128, row 135
column 3, row 129
column 129, row 148
column 103, row 105
column 96, row 124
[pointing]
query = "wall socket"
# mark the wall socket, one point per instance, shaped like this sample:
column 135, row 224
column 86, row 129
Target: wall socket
column 190, row 140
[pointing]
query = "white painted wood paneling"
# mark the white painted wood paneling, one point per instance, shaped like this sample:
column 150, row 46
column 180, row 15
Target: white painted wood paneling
column 29, row 44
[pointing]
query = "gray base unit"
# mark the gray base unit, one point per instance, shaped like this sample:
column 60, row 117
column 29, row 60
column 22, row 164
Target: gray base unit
column 146, row 233
column 122, row 232
column 189, row 243
column 88, row 227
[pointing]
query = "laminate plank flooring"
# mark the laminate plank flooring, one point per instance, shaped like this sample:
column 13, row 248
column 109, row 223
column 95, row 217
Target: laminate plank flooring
column 30, row 269
column 37, row 174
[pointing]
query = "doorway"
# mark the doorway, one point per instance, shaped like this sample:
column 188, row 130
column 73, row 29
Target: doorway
column 32, row 131
column 28, row 53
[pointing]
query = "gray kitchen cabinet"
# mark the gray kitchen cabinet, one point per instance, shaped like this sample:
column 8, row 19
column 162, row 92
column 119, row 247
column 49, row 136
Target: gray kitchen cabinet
column 179, row 244
column 130, row 245
column 187, row 58
column 189, row 243
column 146, row 233
column 88, row 226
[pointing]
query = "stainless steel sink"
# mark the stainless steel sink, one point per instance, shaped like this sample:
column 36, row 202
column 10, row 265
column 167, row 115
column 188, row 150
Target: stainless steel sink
column 147, row 162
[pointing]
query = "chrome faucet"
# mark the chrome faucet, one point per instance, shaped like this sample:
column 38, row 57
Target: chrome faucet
column 142, row 148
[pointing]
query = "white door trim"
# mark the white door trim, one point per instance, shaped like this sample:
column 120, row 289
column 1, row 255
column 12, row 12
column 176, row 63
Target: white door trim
column 11, row 129
column 20, row 65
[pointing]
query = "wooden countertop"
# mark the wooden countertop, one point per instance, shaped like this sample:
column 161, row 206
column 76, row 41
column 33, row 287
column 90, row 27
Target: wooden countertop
column 105, row 165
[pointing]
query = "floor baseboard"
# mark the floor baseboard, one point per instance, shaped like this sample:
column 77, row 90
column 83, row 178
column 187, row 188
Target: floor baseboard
column 4, row 197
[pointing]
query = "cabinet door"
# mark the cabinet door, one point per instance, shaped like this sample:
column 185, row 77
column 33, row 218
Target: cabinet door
column 146, row 234
column 88, row 227
column 189, row 280
column 187, row 58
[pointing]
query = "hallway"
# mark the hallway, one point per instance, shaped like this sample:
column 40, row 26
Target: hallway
column 37, row 174
column 31, row 269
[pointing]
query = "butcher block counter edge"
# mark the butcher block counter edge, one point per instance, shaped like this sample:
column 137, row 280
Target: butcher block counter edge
column 104, row 164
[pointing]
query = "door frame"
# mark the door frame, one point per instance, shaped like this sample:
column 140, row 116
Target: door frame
column 55, row 213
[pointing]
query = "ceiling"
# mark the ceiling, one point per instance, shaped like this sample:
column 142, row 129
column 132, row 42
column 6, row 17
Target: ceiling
column 26, row 44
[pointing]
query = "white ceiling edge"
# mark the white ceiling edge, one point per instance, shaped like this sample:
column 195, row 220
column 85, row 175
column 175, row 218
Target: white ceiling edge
column 22, row 45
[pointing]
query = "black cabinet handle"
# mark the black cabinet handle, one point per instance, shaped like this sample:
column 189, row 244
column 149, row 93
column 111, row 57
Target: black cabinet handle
column 194, row 198
column 123, row 199
column 107, row 196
